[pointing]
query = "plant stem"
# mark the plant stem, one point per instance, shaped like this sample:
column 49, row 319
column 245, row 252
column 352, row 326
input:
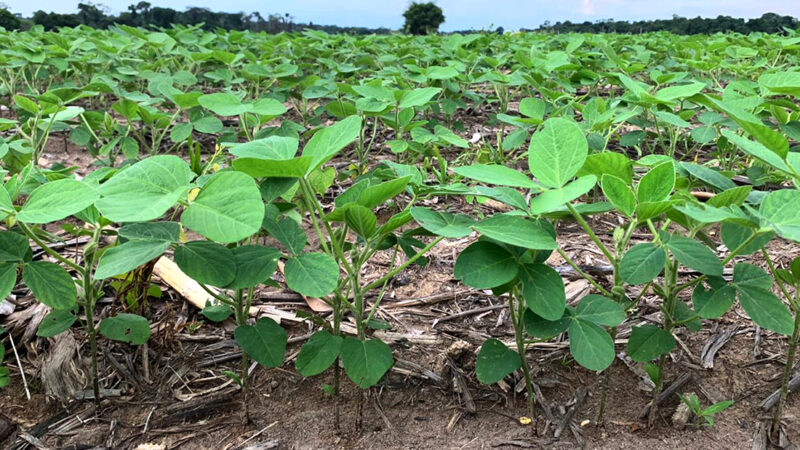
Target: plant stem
column 519, row 330
column 583, row 274
column 787, row 374
column 590, row 232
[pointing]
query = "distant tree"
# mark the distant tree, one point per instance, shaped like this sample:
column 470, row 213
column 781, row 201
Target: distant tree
column 423, row 18
column 9, row 21
column 500, row 30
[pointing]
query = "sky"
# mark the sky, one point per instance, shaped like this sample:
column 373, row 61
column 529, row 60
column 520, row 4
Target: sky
column 459, row 14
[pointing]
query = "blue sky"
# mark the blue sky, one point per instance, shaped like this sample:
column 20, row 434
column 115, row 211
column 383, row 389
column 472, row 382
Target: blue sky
column 460, row 14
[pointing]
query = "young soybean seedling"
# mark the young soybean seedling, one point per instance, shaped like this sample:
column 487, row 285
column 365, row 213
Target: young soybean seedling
column 704, row 416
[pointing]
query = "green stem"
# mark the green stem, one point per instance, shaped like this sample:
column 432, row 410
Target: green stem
column 401, row 267
column 590, row 232
column 583, row 274
column 32, row 236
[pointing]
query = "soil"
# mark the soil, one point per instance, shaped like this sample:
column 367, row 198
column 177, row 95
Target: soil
column 408, row 409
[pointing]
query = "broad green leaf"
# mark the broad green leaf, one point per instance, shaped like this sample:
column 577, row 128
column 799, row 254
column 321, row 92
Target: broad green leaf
column 217, row 313
column 8, row 279
column 263, row 168
column 445, row 224
column 784, row 82
column 682, row 91
column 543, row 290
column 128, row 256
column 254, row 265
column 600, row 310
column 590, row 345
column 712, row 304
column 152, row 231
column 50, row 284
column 312, row 274
column 330, row 140
column 648, row 210
column 495, row 174
column 55, row 323
column 757, row 150
column 518, row 231
column 642, row 263
column 748, row 276
column 206, row 262
column 365, row 362
column 265, row 341
column 734, row 235
column 418, row 97
column 145, row 190
column 227, row 209
column 648, row 342
column 553, row 199
column 657, row 184
column 361, row 220
column 695, row 255
column 56, row 200
column 766, row 310
column 5, row 202
column 709, row 176
column 780, row 210
column 223, row 104
column 269, row 148
column 608, row 163
column 495, row 361
column 14, row 247
column 545, row 329
column 619, row 194
column 485, row 265
column 557, row 152
column 318, row 354
column 267, row 107
column 125, row 327
column 288, row 233
column 507, row 195
column 533, row 108
column 375, row 195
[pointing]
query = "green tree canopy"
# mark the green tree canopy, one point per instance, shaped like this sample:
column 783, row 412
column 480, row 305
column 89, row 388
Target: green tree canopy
column 423, row 18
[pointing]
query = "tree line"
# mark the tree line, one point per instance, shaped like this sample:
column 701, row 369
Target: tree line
column 767, row 23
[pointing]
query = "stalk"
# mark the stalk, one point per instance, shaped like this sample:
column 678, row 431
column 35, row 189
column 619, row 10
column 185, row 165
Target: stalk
column 787, row 374
column 517, row 320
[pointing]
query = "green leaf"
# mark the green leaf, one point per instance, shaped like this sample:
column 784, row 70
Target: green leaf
column 128, row 256
column 495, row 361
column 265, row 341
column 695, row 255
column 648, row 210
column 709, row 176
column 375, row 195
column 418, row 97
column 312, row 274
column 783, row 82
column 125, row 327
column 485, row 265
column 753, row 286
column 590, row 345
column 14, row 247
column 5, row 202
column 56, row 200
column 217, row 313
column 600, row 310
column 648, row 342
column 557, row 152
column 152, row 231
column 553, row 199
column 228, row 208
column 518, row 231
column 8, row 279
column 365, row 362
column 757, row 150
column 262, row 168
column 50, row 284
column 330, row 140
column 145, row 190
column 495, row 174
column 619, row 194
column 780, row 210
column 55, row 323
column 682, row 91
column 361, row 220
column 318, row 354
column 642, row 263
column 207, row 262
column 545, row 329
column 712, row 304
column 608, row 163
column 223, row 104
column 254, row 265
column 543, row 290
column 657, row 184
column 445, row 224
column 288, row 233
column 269, row 148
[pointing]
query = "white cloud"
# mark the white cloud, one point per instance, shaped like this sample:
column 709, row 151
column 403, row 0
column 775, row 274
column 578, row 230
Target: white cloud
column 587, row 7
